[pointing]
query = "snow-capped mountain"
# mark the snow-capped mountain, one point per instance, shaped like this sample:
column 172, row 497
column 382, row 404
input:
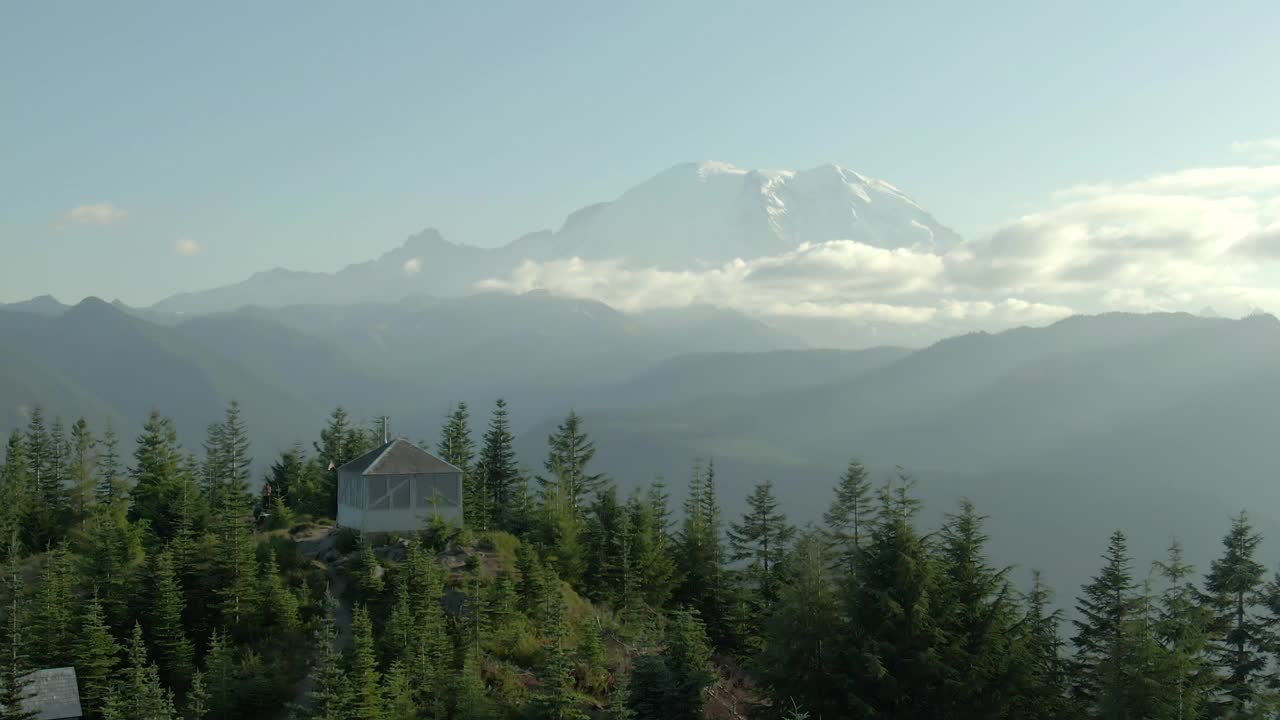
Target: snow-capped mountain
column 705, row 213
column 688, row 217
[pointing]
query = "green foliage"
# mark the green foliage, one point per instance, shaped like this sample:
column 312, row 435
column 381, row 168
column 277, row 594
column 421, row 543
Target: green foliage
column 53, row 617
column 498, row 474
column 97, row 656
column 848, row 521
column 570, row 450
column 1236, row 586
column 174, row 648
column 700, row 557
column 366, row 680
column 798, row 658
column 158, row 477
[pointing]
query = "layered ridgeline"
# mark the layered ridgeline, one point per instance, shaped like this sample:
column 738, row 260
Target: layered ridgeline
column 1153, row 422
column 689, row 217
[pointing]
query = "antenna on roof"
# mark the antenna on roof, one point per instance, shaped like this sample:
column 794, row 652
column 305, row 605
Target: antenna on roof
column 386, row 422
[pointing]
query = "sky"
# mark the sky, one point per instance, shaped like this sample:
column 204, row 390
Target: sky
column 150, row 148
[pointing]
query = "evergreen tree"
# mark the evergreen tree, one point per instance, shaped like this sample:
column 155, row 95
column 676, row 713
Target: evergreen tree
column 894, row 640
column 1105, row 672
column 97, row 655
column 14, row 689
column 140, row 694
column 53, row 619
column 1042, row 694
column 653, row 564
column 556, row 699
column 197, row 705
column 472, row 698
column 112, row 554
column 1183, row 629
column 798, row 656
column 280, row 606
column 109, row 478
column 1236, row 586
column 458, row 449
column 978, row 616
column 499, row 473
column 761, row 539
column 561, row 530
column 287, row 475
column 328, row 697
column 672, row 685
column 159, row 476
column 700, row 556
column 398, row 691
column 366, row 681
column 15, row 486
column 173, row 648
column 532, row 584
column 570, row 451
column 84, row 461
column 849, row 518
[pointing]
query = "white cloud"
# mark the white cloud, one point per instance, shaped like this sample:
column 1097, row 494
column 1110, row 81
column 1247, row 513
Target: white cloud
column 412, row 266
column 188, row 247
column 1265, row 146
column 1173, row 241
column 103, row 213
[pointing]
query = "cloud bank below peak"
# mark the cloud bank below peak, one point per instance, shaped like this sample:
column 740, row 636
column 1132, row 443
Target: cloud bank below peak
column 1168, row 242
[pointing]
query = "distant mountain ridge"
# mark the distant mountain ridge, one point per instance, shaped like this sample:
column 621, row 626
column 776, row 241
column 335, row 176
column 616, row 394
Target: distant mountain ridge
column 691, row 216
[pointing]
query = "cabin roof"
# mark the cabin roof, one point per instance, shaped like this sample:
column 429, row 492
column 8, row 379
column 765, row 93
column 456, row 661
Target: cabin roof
column 398, row 457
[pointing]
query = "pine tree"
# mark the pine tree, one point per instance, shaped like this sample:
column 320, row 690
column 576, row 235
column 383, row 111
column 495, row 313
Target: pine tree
column 13, row 671
column 398, row 691
column 52, row 619
column 173, row 648
column 287, row 475
column 222, row 675
column 15, row 486
column 84, row 461
column 109, row 478
column 329, row 696
column 761, row 539
column 570, row 450
column 1183, row 629
column 197, row 705
column 893, row 645
column 1104, row 638
column 849, row 518
column 556, row 699
column 977, row 614
column 798, row 657
column 458, row 449
column 1236, row 586
column 1042, row 692
column 472, row 698
column 560, row 530
column 498, row 469
column 279, row 603
column 700, row 556
column 111, row 552
column 97, row 655
column 140, row 694
column 158, row 476
column 672, row 686
column 365, row 679
column 532, row 584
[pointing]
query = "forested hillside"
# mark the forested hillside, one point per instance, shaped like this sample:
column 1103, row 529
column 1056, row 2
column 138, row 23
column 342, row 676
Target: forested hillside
column 175, row 592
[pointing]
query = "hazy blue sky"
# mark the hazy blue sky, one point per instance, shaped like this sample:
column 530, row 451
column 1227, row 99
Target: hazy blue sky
column 315, row 134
